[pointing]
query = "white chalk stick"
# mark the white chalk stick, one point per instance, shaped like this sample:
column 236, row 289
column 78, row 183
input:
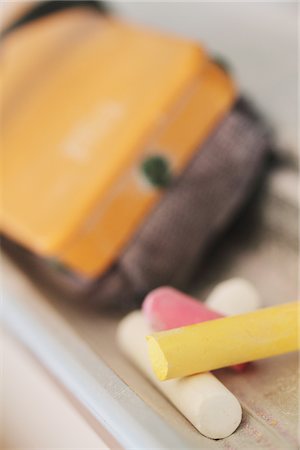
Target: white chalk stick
column 233, row 297
column 201, row 398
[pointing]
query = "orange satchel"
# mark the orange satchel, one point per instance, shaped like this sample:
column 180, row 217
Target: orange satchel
column 125, row 152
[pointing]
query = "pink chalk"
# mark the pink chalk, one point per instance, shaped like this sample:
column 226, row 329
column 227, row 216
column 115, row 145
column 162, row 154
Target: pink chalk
column 165, row 308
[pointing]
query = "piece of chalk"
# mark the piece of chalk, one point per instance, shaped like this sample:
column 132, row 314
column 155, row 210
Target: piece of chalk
column 166, row 308
column 202, row 399
column 224, row 342
column 234, row 296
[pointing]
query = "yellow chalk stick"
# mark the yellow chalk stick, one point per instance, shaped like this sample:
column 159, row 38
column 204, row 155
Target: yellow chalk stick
column 224, row 342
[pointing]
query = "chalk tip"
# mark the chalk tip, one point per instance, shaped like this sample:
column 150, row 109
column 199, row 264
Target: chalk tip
column 158, row 360
column 220, row 416
column 156, row 296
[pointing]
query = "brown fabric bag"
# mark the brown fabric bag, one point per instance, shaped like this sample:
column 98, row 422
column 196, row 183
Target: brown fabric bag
column 194, row 211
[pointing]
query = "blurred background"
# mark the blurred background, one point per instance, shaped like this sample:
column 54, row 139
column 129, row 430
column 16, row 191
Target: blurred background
column 257, row 38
